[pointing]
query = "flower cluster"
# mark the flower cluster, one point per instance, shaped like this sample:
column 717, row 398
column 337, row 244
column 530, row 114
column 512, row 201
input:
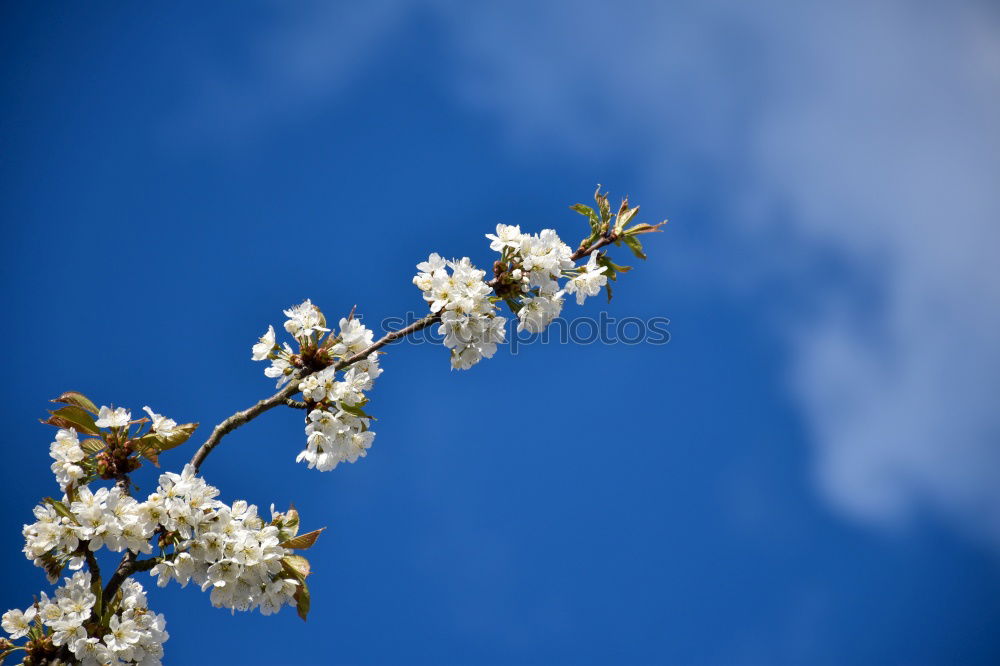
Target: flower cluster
column 281, row 357
column 588, row 281
column 129, row 635
column 135, row 634
column 305, row 321
column 307, row 325
column 333, row 438
column 226, row 548
column 112, row 519
column 107, row 518
column 115, row 442
column 52, row 540
column 469, row 322
column 337, row 428
column 533, row 265
column 67, row 452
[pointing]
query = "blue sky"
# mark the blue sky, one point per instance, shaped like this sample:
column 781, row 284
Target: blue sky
column 807, row 473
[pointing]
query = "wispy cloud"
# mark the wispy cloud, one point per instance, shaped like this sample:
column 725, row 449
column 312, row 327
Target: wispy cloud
column 308, row 52
column 874, row 128
column 869, row 128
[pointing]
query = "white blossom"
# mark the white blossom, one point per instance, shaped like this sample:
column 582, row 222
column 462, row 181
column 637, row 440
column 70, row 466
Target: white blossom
column 111, row 519
column 506, row 236
column 333, row 433
column 228, row 549
column 468, row 320
column 544, row 257
column 589, row 281
column 66, row 452
column 134, row 635
column 113, row 418
column 264, row 345
column 121, row 637
column 281, row 366
column 17, row 622
column 354, row 338
column 50, row 533
column 537, row 312
column 161, row 424
column 335, row 436
column 304, row 320
column 91, row 652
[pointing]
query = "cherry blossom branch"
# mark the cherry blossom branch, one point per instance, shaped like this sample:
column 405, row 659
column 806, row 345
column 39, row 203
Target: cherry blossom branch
column 527, row 276
column 130, row 564
column 284, row 396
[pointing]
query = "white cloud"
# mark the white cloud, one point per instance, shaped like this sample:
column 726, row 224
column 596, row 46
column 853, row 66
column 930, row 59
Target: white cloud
column 875, row 126
column 309, row 51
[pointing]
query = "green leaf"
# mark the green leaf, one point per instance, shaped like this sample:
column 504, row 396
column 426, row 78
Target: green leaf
column 302, row 599
column 291, row 522
column 148, row 446
column 77, row 399
column 152, row 444
column 92, row 446
column 296, row 565
column 303, row 541
column 625, row 215
column 95, row 587
column 595, row 222
column 110, row 606
column 73, row 417
column 613, row 268
column 179, row 435
column 61, row 509
column 607, row 285
column 512, row 304
column 633, row 244
column 287, row 523
column 603, row 205
column 357, row 411
column 643, row 228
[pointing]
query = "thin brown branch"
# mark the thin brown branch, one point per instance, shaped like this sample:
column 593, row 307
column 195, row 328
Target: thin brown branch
column 584, row 252
column 392, row 336
column 125, row 569
column 243, row 417
column 129, row 565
